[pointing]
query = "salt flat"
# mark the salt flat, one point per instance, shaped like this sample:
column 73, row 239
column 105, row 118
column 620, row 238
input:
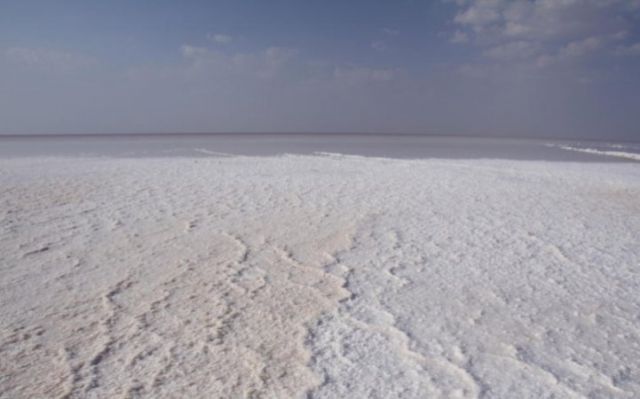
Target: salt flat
column 318, row 276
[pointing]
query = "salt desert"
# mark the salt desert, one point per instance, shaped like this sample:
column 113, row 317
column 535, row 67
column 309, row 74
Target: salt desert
column 318, row 276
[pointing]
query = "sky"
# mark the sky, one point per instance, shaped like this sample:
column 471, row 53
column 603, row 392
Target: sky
column 521, row 68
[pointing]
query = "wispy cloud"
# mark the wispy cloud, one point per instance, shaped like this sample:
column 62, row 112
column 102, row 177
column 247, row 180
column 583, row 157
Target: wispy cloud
column 630, row 50
column 459, row 37
column 544, row 32
column 357, row 75
column 382, row 44
column 280, row 63
column 379, row 45
column 267, row 63
column 220, row 38
column 390, row 32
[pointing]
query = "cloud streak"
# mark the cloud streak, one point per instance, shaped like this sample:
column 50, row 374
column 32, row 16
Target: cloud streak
column 220, row 38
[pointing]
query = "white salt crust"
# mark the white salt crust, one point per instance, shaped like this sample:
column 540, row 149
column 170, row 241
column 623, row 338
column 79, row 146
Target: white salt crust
column 319, row 277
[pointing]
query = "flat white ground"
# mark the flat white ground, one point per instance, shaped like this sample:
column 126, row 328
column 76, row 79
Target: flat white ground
column 320, row 277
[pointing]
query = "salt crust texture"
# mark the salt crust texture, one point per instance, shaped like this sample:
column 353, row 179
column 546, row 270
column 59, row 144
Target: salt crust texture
column 320, row 277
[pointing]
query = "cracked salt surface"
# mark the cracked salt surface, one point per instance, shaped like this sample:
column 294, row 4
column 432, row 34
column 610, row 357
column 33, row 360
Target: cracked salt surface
column 318, row 276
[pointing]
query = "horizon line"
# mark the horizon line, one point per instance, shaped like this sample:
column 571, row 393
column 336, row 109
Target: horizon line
column 304, row 133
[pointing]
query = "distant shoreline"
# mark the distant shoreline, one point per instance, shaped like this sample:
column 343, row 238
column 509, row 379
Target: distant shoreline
column 328, row 134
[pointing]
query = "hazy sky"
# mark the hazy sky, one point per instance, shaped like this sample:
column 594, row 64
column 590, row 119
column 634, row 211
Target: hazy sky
column 523, row 67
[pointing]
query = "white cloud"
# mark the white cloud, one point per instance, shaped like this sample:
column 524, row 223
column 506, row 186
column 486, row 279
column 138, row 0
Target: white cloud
column 459, row 37
column 480, row 14
column 391, row 32
column 536, row 19
column 545, row 60
column 220, row 38
column 571, row 51
column 262, row 64
column 383, row 44
column 379, row 45
column 193, row 51
column 621, row 35
column 544, row 32
column 354, row 74
column 632, row 50
column 579, row 48
column 276, row 63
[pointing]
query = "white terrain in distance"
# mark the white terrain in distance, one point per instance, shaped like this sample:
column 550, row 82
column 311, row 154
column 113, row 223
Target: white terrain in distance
column 318, row 276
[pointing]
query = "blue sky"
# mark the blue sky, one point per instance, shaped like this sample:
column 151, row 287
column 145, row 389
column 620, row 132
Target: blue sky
column 562, row 68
